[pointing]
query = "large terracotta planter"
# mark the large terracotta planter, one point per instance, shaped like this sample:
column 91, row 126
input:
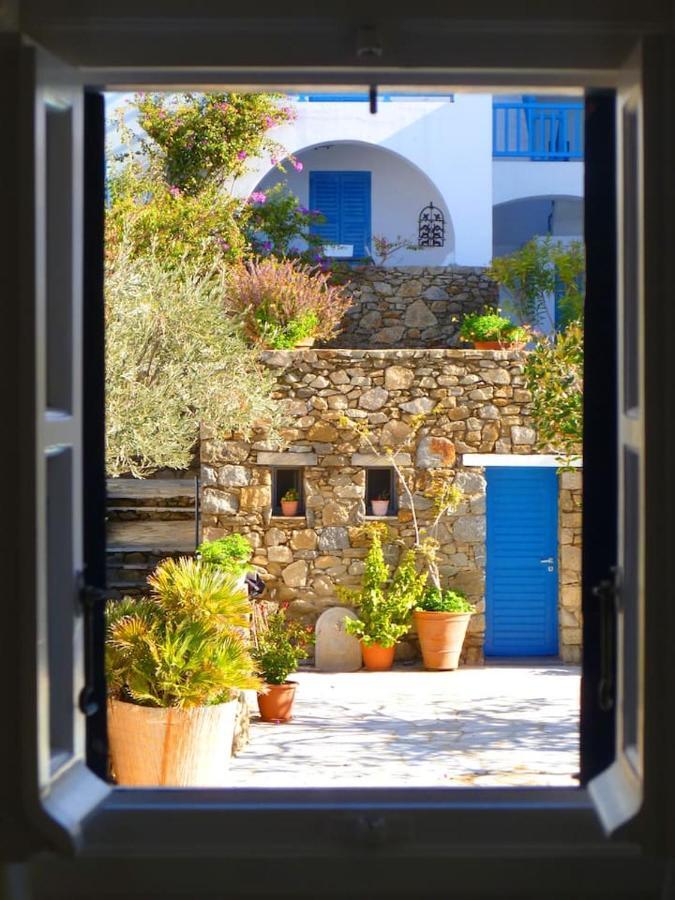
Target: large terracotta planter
column 289, row 507
column 277, row 704
column 441, row 637
column 171, row 747
column 377, row 658
column 499, row 345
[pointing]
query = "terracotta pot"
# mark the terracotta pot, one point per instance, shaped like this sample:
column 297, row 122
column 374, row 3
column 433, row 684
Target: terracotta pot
column 441, row 637
column 380, row 507
column 304, row 343
column 377, row 658
column 171, row 747
column 277, row 704
column 499, row 345
column 289, row 507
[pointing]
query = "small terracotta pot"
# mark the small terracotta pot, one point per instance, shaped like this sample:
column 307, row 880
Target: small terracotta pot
column 489, row 345
column 441, row 637
column 377, row 658
column 380, row 507
column 289, row 507
column 305, row 343
column 277, row 704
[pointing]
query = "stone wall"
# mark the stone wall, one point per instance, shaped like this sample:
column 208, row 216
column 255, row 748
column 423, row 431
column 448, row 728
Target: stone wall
column 474, row 401
column 569, row 565
column 412, row 306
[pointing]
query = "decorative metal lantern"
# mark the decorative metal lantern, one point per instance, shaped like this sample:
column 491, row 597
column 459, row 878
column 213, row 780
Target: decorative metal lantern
column 431, row 227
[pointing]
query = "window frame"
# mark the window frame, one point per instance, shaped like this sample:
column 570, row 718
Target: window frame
column 539, row 822
column 300, row 478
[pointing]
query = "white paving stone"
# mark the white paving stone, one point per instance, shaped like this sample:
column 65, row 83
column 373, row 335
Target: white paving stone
column 494, row 725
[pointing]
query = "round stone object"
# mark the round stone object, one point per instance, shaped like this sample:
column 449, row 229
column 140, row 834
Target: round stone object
column 335, row 650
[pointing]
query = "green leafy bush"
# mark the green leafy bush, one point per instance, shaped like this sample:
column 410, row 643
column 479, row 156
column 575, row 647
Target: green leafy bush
column 436, row 600
column 385, row 602
column 490, row 326
column 281, row 646
column 231, row 553
column 183, row 645
column 531, row 274
column 174, row 361
column 276, row 299
column 275, row 222
column 554, row 377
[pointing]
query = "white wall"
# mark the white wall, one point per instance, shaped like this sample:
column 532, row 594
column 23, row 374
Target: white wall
column 451, row 142
column 399, row 192
column 513, row 179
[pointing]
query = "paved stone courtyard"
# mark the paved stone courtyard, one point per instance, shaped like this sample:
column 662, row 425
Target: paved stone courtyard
column 494, row 725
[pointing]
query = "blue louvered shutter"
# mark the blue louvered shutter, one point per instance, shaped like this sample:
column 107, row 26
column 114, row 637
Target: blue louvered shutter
column 355, row 211
column 344, row 200
column 324, row 195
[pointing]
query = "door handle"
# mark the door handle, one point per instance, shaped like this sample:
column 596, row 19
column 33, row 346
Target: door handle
column 547, row 562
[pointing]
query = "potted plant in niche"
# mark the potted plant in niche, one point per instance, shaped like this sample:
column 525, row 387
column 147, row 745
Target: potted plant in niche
column 285, row 304
column 441, row 619
column 281, row 644
column 290, row 501
column 175, row 662
column 231, row 554
column 384, row 602
column 490, row 331
column 380, row 503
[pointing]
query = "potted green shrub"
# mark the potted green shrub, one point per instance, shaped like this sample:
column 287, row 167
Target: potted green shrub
column 176, row 662
column 231, row 554
column 490, row 331
column 281, row 644
column 290, row 502
column 384, row 602
column 442, row 618
column 284, row 304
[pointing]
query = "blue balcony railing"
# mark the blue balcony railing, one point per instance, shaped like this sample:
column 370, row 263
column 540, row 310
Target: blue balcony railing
column 539, row 131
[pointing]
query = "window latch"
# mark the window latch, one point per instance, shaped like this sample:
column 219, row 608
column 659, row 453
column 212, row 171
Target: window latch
column 608, row 592
column 91, row 600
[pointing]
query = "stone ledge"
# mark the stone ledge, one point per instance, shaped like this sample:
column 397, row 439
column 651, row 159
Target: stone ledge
column 374, row 460
column 290, row 459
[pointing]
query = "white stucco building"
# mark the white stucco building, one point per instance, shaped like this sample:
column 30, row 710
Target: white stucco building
column 499, row 169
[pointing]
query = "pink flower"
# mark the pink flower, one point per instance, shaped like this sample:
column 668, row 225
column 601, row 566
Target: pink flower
column 269, row 121
column 297, row 165
column 274, row 160
column 258, row 197
column 174, row 191
column 242, row 154
column 222, row 106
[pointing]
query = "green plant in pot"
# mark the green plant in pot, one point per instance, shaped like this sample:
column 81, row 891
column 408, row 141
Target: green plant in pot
column 281, row 644
column 442, row 618
column 176, row 661
column 490, row 331
column 231, row 554
column 384, row 603
column 380, row 503
column 290, row 502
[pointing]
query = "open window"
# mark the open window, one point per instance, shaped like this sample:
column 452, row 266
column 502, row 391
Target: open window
column 381, row 498
column 115, row 821
column 288, row 495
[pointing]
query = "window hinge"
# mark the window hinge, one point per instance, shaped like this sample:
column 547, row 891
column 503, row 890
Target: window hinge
column 608, row 592
column 91, row 600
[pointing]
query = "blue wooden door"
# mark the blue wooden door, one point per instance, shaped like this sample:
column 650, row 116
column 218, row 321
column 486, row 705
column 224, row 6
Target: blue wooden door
column 344, row 200
column 521, row 593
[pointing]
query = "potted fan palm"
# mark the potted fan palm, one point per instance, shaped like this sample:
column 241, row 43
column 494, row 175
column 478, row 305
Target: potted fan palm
column 281, row 644
column 384, row 603
column 176, row 662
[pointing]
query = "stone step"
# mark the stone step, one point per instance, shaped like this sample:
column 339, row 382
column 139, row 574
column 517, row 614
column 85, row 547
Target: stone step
column 150, row 513
column 157, row 537
column 152, row 491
